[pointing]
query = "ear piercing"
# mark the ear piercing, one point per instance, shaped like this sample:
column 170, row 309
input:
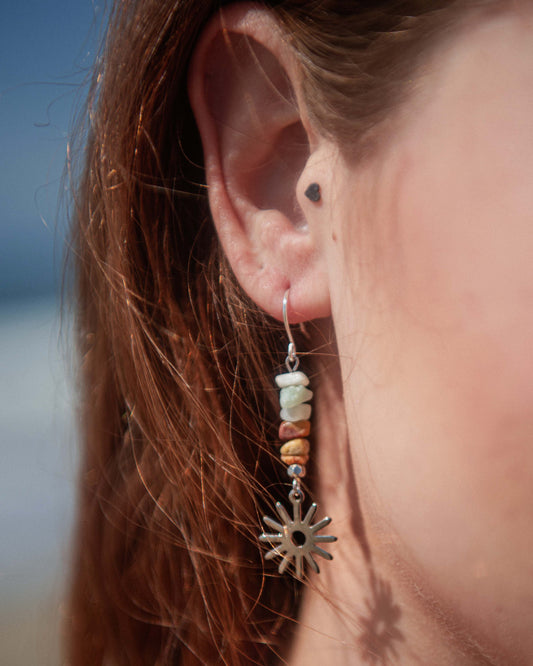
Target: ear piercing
column 313, row 192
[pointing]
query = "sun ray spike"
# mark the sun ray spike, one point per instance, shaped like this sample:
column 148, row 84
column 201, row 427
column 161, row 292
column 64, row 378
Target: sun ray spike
column 273, row 524
column 321, row 524
column 310, row 513
column 271, row 538
column 282, row 512
column 323, row 553
column 283, row 564
column 312, row 563
column 298, row 560
column 325, row 538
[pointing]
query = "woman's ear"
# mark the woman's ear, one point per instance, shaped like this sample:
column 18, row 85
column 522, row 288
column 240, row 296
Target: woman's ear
column 244, row 91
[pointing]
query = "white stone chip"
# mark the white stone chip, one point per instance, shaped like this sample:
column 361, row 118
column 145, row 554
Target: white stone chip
column 292, row 379
column 290, row 396
column 298, row 413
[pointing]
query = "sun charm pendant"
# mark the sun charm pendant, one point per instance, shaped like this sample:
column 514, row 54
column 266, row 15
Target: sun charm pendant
column 296, row 539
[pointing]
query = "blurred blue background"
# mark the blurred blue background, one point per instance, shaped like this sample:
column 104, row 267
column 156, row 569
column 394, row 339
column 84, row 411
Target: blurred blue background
column 46, row 49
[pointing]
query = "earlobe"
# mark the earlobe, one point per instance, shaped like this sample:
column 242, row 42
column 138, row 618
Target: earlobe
column 243, row 88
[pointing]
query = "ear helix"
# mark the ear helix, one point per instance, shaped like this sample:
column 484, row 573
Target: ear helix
column 313, row 192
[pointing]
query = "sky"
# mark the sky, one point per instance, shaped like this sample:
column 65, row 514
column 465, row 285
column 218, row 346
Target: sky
column 46, row 49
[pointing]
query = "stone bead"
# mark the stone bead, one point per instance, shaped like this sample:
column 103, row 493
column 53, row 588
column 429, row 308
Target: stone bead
column 297, row 378
column 296, row 471
column 294, row 460
column 288, row 430
column 299, row 413
column 295, row 447
column 290, row 396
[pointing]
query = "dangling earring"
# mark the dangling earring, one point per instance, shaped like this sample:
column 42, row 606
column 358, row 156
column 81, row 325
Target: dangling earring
column 294, row 538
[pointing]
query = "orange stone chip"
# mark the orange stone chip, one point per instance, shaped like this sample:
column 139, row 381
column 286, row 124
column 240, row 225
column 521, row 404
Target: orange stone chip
column 294, row 460
column 290, row 430
column 295, row 447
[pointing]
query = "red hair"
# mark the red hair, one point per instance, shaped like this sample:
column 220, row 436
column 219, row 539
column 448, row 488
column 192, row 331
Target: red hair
column 176, row 363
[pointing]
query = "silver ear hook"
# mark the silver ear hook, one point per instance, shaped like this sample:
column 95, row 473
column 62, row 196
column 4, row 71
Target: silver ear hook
column 292, row 361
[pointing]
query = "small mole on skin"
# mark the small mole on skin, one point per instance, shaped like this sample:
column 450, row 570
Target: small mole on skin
column 313, row 192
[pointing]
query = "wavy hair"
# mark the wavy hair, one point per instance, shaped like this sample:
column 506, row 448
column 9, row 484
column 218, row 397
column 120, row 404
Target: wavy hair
column 175, row 367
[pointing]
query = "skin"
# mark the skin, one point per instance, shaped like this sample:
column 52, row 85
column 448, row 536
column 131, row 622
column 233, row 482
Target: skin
column 436, row 352
column 426, row 250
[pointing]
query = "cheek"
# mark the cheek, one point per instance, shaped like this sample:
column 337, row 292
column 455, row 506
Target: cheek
column 465, row 266
column 436, row 342
column 444, row 399
column 443, row 390
column 465, row 272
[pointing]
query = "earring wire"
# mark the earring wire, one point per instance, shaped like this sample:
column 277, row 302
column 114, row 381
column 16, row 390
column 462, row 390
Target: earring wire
column 292, row 361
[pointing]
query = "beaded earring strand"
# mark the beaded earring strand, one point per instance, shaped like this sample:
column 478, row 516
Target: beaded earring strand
column 294, row 538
